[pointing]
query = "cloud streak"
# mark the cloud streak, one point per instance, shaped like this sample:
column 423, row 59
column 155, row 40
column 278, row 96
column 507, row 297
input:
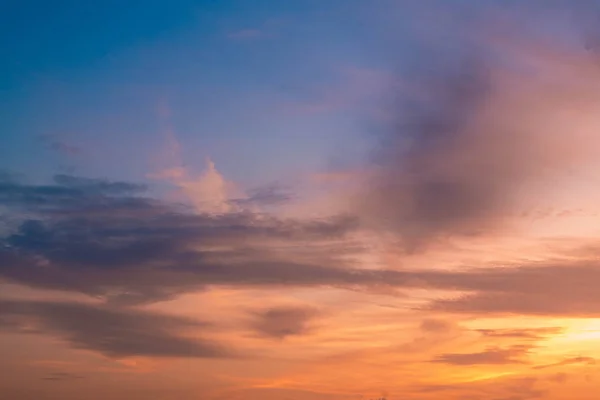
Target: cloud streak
column 115, row 333
column 489, row 356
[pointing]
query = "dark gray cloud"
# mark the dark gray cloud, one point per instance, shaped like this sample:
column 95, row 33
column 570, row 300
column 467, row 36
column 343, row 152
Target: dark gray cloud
column 116, row 333
column 282, row 322
column 64, row 187
column 106, row 239
column 491, row 355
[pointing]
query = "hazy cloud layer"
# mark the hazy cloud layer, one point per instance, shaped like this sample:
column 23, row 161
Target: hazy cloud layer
column 564, row 289
column 104, row 239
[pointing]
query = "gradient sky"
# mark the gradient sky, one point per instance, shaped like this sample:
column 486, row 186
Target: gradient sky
column 300, row 200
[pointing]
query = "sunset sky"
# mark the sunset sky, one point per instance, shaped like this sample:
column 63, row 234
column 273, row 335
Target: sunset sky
column 300, row 200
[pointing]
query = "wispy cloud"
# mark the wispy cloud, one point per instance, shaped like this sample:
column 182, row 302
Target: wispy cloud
column 489, row 356
column 521, row 333
column 61, row 146
column 569, row 361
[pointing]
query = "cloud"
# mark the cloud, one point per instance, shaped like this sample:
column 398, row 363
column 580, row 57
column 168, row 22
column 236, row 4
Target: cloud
column 491, row 355
column 104, row 239
column 436, row 326
column 115, row 333
column 569, row 361
column 521, row 333
column 60, row 146
column 209, row 192
column 512, row 388
column 68, row 194
column 282, row 322
column 477, row 140
column 111, row 241
column 271, row 195
column 559, row 289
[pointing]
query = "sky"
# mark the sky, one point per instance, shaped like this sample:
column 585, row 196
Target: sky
column 299, row 200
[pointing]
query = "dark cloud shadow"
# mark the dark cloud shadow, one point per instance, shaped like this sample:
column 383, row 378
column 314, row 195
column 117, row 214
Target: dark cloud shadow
column 283, row 322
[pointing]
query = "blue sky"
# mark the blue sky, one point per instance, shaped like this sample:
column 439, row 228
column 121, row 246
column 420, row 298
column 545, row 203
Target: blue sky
column 235, row 76
column 268, row 89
